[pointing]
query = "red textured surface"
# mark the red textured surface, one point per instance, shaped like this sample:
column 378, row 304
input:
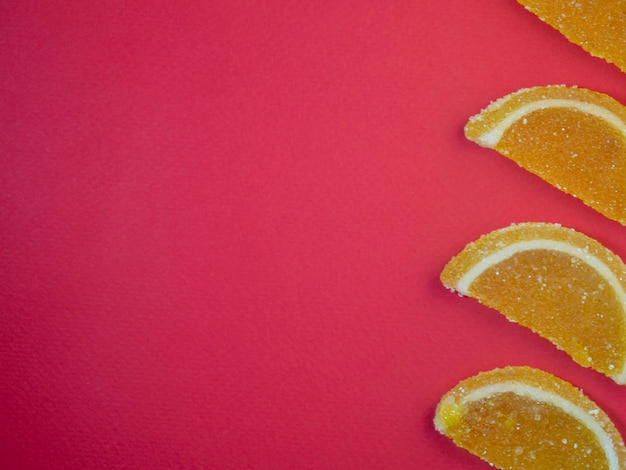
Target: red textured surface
column 223, row 225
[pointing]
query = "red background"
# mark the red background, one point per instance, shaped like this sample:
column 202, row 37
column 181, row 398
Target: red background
column 223, row 224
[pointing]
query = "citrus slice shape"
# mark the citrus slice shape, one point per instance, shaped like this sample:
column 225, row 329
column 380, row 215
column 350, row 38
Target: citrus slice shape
column 599, row 27
column 563, row 285
column 521, row 417
column 573, row 138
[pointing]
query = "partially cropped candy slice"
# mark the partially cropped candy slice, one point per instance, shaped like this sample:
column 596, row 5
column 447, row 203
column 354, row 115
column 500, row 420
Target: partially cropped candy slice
column 525, row 418
column 598, row 26
column 573, row 138
column 563, row 285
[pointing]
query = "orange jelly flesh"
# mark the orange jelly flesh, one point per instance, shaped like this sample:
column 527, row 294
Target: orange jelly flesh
column 561, row 298
column 514, row 432
column 560, row 283
column 573, row 138
column 598, row 26
column 592, row 169
column 525, row 418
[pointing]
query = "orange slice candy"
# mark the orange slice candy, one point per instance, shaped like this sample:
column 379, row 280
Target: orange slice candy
column 563, row 285
column 573, row 138
column 520, row 417
column 598, row 26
